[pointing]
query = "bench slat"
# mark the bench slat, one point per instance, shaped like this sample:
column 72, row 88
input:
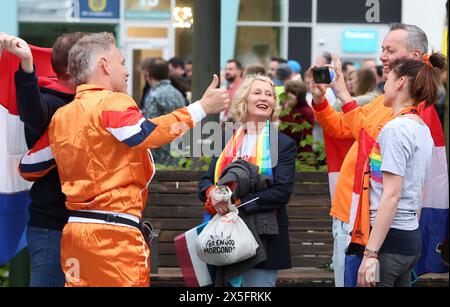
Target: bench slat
column 193, row 201
column 170, row 260
column 295, row 236
column 193, row 212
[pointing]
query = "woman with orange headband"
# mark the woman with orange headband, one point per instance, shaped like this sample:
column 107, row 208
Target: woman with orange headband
column 399, row 164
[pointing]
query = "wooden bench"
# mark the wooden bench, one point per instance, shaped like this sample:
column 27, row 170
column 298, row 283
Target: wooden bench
column 174, row 208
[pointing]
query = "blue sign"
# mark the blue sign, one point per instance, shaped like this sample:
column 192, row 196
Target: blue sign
column 360, row 41
column 99, row 9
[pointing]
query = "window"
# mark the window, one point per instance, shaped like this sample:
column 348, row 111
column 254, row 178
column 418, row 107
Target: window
column 260, row 10
column 300, row 10
column 300, row 46
column 354, row 11
column 184, row 36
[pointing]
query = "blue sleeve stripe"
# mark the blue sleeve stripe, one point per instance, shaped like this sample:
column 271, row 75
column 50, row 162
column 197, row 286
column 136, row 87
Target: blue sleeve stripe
column 147, row 127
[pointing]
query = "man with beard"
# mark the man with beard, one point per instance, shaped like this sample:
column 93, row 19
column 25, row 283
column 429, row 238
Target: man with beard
column 233, row 75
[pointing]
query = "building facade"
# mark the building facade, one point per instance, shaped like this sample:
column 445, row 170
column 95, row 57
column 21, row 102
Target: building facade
column 252, row 30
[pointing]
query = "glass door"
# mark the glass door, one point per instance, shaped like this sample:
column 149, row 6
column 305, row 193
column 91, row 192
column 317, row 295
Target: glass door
column 136, row 53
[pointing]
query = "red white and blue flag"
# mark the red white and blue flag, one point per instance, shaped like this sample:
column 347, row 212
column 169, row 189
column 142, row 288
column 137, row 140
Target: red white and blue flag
column 196, row 273
column 434, row 215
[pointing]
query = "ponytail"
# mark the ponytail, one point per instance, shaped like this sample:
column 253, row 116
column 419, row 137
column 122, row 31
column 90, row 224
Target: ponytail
column 423, row 76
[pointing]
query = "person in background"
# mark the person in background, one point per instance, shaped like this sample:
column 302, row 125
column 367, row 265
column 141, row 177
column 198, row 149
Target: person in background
column 296, row 70
column 442, row 91
column 299, row 112
column 273, row 66
column 176, row 66
column 182, row 86
column 163, row 99
column 323, row 59
column 381, row 81
column 283, row 75
column 233, row 76
column 351, row 82
column 347, row 68
column 188, row 69
column 362, row 88
column 366, row 87
column 371, row 64
column 147, row 87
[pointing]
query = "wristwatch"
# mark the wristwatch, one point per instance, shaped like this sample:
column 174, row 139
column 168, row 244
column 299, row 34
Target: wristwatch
column 370, row 253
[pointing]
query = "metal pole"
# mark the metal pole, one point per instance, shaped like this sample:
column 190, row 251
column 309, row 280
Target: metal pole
column 205, row 59
column 206, row 47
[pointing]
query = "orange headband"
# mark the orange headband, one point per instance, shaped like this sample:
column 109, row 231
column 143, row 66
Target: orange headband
column 426, row 60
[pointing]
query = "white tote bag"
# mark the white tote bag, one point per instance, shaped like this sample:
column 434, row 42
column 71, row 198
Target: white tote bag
column 226, row 240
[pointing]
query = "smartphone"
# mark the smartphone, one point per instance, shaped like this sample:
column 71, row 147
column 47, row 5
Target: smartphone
column 321, row 75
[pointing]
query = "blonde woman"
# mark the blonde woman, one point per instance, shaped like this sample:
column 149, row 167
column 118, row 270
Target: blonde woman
column 257, row 141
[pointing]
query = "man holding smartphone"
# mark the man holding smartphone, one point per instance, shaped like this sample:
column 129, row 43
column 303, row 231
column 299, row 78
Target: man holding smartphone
column 402, row 41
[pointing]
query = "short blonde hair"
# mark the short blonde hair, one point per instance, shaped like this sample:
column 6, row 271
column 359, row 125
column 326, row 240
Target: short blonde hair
column 239, row 108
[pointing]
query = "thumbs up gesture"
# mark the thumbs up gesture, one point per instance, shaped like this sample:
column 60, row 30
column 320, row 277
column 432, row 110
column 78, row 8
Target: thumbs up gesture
column 215, row 100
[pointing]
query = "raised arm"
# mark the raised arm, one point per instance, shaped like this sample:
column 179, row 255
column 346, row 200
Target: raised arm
column 331, row 121
column 34, row 112
column 123, row 119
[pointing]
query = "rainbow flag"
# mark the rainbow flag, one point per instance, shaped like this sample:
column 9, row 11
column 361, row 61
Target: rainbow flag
column 260, row 156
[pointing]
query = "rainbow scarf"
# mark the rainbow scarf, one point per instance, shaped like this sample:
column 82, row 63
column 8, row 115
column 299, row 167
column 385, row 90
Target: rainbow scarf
column 260, row 155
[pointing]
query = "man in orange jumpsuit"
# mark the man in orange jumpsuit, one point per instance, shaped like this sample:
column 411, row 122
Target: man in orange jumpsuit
column 99, row 143
column 402, row 41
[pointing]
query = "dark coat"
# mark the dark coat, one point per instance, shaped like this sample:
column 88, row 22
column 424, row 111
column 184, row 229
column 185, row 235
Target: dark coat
column 274, row 198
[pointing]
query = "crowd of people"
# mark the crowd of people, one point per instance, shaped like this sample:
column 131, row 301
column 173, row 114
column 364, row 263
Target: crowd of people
column 90, row 163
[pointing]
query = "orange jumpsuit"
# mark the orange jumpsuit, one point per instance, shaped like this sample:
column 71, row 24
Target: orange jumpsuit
column 100, row 144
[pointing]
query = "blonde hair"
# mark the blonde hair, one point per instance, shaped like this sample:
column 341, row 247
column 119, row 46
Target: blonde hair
column 239, row 108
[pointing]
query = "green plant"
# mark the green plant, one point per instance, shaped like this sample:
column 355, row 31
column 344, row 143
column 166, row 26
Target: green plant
column 306, row 161
column 187, row 164
column 4, row 276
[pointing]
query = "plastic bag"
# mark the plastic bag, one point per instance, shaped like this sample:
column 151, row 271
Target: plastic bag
column 226, row 240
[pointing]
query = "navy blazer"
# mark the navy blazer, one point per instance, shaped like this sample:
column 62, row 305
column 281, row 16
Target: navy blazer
column 274, row 198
